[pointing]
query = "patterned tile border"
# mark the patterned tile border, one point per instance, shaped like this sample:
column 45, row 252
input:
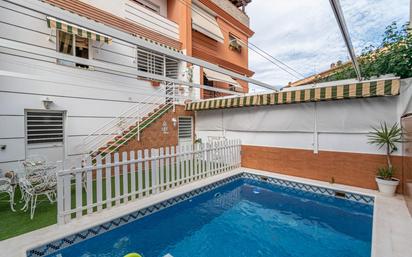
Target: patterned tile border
column 62, row 243
column 355, row 197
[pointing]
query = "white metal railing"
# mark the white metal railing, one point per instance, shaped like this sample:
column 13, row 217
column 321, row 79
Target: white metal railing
column 132, row 116
column 133, row 175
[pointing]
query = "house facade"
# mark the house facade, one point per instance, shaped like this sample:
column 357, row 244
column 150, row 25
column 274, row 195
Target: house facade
column 63, row 84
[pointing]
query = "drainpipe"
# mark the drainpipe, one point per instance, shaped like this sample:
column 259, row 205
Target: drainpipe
column 315, row 130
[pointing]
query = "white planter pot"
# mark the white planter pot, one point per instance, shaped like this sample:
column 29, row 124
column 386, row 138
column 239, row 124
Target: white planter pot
column 387, row 187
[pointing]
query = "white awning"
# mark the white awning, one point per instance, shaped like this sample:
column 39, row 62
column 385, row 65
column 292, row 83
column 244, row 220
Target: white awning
column 219, row 77
column 206, row 23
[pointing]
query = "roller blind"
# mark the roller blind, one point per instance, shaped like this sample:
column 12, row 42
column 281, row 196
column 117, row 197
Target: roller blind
column 206, row 23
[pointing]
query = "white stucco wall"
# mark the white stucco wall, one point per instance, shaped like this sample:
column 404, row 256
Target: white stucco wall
column 340, row 125
column 89, row 98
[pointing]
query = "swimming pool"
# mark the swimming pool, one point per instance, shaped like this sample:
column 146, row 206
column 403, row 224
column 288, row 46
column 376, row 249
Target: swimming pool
column 239, row 216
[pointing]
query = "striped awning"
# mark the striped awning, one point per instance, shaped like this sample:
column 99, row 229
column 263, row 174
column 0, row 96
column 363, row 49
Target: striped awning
column 388, row 87
column 76, row 30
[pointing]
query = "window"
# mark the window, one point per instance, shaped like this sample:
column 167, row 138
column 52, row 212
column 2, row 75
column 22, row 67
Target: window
column 65, row 43
column 68, row 43
column 44, row 127
column 185, row 129
column 154, row 63
column 172, row 68
column 235, row 43
column 207, row 82
column 148, row 5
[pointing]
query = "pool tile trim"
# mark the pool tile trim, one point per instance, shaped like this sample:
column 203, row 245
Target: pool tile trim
column 356, row 197
column 67, row 241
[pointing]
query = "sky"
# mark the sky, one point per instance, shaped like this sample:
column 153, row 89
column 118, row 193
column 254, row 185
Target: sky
column 304, row 33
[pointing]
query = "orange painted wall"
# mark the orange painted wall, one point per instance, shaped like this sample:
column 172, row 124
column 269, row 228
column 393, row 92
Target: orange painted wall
column 181, row 13
column 219, row 53
column 205, row 48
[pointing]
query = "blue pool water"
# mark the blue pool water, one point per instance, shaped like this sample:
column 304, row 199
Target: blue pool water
column 242, row 218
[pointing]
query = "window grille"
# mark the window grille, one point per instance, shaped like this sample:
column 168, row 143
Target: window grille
column 185, row 127
column 154, row 63
column 172, row 68
column 44, row 127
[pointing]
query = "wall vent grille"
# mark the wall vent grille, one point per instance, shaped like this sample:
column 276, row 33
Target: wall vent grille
column 44, row 127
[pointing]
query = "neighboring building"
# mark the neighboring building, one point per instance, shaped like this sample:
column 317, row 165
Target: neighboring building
column 334, row 68
column 50, row 106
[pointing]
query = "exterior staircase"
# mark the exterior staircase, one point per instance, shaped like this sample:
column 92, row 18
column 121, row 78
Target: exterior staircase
column 108, row 138
column 133, row 131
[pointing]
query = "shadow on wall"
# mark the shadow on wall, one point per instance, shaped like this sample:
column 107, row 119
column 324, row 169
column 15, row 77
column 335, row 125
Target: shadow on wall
column 407, row 159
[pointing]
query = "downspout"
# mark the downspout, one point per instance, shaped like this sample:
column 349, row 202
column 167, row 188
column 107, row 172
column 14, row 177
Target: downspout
column 315, row 130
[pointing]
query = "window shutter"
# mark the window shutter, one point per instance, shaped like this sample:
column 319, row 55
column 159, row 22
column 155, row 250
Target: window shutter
column 185, row 127
column 44, row 127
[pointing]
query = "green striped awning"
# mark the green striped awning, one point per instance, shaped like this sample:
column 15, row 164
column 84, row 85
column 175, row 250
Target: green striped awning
column 388, row 87
column 76, row 30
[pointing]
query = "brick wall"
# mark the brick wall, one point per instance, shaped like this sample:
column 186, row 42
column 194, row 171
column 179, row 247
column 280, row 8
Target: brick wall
column 153, row 137
column 353, row 169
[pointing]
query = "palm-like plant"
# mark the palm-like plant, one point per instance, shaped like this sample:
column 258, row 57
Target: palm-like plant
column 386, row 137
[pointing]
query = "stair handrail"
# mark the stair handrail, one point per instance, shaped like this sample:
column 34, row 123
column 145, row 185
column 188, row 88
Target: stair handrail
column 111, row 127
column 123, row 137
column 128, row 118
column 124, row 113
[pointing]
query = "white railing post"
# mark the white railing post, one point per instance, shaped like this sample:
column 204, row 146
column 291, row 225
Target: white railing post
column 138, row 124
column 174, row 97
column 89, row 186
column 60, row 200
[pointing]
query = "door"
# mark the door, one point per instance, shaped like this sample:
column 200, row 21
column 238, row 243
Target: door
column 185, row 130
column 45, row 134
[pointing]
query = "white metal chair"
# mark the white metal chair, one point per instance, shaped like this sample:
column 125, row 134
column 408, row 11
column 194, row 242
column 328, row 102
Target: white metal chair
column 31, row 192
column 7, row 187
column 40, row 179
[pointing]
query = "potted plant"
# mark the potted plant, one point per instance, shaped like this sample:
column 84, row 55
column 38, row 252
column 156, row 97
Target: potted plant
column 387, row 138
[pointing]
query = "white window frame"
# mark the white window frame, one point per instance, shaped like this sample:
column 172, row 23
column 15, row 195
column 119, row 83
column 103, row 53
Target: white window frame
column 68, row 63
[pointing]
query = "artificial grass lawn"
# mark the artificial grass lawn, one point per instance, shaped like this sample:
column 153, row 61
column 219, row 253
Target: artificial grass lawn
column 19, row 222
column 16, row 223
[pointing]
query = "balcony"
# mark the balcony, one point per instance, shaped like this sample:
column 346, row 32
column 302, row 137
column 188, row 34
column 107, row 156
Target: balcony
column 230, row 8
column 153, row 17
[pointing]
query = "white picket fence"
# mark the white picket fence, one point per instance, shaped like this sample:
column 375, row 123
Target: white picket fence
column 120, row 178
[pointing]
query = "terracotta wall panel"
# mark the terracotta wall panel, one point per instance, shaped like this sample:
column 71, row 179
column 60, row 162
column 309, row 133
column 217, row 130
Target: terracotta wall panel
column 355, row 169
